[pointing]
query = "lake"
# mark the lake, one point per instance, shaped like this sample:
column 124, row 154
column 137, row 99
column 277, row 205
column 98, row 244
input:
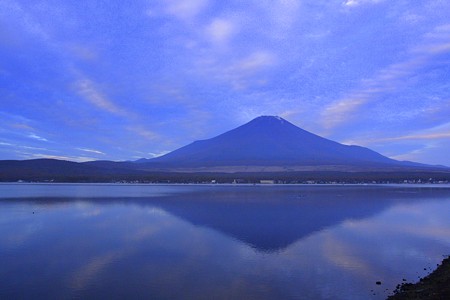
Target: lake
column 90, row 241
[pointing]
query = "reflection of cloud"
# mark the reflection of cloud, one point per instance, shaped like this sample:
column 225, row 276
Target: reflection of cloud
column 144, row 233
column 340, row 254
column 84, row 275
column 19, row 236
column 429, row 218
column 92, row 212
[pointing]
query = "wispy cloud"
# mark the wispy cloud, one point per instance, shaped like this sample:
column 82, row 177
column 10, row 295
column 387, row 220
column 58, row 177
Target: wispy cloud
column 183, row 10
column 6, row 144
column 411, row 137
column 283, row 15
column 158, row 154
column 88, row 90
column 82, row 51
column 414, row 155
column 37, row 137
column 143, row 132
column 255, row 62
column 220, row 31
column 352, row 3
column 91, row 151
column 12, row 9
column 436, row 133
column 388, row 80
column 22, row 126
column 15, row 119
column 246, row 71
column 339, row 112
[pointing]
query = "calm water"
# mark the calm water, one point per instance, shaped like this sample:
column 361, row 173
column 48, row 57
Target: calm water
column 62, row 241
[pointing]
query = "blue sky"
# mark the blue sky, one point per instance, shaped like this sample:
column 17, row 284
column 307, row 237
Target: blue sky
column 86, row 80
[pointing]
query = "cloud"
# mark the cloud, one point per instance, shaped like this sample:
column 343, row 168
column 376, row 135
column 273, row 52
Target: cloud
column 352, row 3
column 255, row 62
column 388, row 80
column 412, row 137
column 431, row 136
column 246, row 70
column 143, row 132
column 16, row 119
column 90, row 93
column 22, row 126
column 91, row 151
column 158, row 154
column 185, row 10
column 284, row 13
column 414, row 155
column 36, row 137
column 339, row 112
column 441, row 132
column 82, row 52
column 6, row 144
column 221, row 31
column 11, row 9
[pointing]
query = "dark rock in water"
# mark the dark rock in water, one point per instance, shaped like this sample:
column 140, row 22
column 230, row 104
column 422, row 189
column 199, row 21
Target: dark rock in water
column 378, row 282
column 435, row 286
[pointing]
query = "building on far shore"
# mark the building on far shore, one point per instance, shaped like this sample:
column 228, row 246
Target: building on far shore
column 267, row 181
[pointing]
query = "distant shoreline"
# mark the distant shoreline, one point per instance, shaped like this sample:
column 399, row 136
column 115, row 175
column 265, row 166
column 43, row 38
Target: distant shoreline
column 416, row 185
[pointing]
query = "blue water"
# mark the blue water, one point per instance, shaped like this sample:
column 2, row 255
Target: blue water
column 90, row 241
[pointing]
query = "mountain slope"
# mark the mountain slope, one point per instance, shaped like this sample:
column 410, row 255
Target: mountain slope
column 48, row 169
column 270, row 141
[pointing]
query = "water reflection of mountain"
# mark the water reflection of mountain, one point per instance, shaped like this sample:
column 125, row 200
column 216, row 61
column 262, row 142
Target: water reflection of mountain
column 270, row 220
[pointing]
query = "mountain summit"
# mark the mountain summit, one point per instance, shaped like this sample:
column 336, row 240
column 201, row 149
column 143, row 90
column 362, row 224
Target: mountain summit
column 271, row 141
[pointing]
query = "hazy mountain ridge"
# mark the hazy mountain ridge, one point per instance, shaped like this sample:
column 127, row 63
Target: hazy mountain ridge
column 265, row 145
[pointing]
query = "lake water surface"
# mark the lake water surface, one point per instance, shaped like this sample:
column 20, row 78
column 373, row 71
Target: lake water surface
column 91, row 241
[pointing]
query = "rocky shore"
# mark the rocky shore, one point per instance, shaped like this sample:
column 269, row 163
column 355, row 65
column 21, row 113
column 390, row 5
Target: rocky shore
column 435, row 286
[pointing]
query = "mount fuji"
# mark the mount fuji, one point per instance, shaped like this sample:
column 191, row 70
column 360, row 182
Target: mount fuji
column 273, row 144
